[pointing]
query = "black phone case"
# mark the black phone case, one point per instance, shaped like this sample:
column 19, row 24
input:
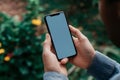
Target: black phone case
column 57, row 13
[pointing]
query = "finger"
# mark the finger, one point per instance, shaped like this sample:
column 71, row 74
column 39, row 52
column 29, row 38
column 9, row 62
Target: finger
column 74, row 38
column 64, row 61
column 76, row 32
column 48, row 39
column 47, row 43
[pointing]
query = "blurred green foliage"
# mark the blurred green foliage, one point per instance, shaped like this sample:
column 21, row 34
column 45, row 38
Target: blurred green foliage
column 24, row 48
column 21, row 46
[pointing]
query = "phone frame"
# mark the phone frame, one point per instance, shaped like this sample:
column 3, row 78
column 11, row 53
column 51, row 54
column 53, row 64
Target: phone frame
column 53, row 14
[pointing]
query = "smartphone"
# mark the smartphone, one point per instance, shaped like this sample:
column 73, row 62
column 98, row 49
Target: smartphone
column 60, row 35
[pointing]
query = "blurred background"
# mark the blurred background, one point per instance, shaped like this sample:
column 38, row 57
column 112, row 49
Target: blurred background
column 22, row 31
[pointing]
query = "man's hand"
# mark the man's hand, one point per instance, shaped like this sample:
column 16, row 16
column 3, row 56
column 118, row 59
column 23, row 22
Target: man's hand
column 85, row 51
column 50, row 60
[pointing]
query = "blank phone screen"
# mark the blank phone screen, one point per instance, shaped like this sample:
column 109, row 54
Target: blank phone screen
column 60, row 35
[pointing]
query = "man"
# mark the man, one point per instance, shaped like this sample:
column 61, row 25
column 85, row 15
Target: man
column 97, row 64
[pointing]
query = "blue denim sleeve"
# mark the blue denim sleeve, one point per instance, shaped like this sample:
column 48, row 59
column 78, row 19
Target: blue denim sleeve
column 104, row 68
column 54, row 76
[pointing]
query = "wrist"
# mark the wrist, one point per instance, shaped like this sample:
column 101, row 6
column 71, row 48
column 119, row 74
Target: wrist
column 52, row 69
column 58, row 70
column 92, row 55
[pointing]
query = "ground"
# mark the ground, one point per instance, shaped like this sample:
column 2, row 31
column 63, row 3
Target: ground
column 12, row 7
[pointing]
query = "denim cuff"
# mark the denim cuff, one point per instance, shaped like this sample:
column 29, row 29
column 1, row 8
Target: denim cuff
column 54, row 76
column 102, row 67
